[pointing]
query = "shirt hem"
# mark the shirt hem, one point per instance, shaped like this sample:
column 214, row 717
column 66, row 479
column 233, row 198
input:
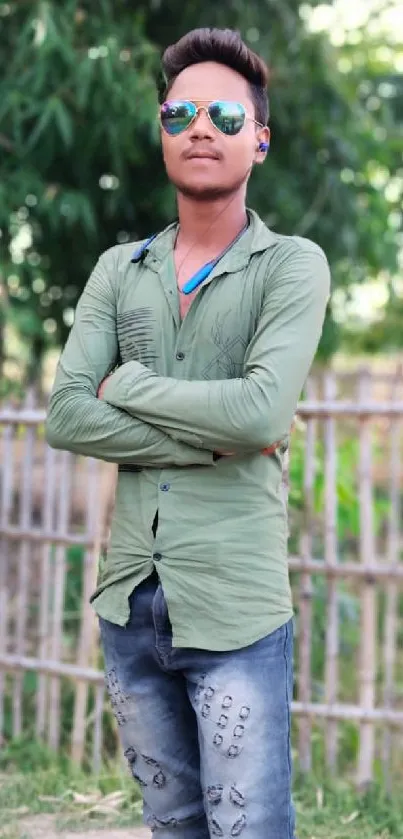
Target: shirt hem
column 115, row 619
column 193, row 642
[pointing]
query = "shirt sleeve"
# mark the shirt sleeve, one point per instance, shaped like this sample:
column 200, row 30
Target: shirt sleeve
column 80, row 422
column 257, row 410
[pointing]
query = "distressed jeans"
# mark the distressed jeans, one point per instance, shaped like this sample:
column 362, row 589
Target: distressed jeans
column 206, row 734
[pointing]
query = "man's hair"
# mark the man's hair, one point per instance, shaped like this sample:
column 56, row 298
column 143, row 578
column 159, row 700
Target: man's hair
column 225, row 46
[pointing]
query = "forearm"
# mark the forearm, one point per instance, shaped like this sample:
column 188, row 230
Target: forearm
column 79, row 422
column 218, row 415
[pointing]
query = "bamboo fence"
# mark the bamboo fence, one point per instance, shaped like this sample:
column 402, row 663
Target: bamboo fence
column 53, row 503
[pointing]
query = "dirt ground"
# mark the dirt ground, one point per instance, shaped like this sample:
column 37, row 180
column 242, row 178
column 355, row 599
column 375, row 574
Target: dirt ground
column 46, row 827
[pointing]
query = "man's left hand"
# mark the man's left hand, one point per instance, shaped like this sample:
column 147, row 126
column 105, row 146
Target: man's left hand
column 268, row 451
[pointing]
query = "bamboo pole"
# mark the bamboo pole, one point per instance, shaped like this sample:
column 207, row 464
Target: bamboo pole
column 367, row 668
column 376, row 378
column 14, row 663
column 391, row 598
column 23, row 570
column 352, row 713
column 367, row 409
column 97, row 737
column 101, row 476
column 45, row 586
column 39, row 535
column 332, row 624
column 348, row 570
column 305, row 592
column 6, row 494
column 87, row 630
column 312, row 710
column 379, row 571
column 58, row 602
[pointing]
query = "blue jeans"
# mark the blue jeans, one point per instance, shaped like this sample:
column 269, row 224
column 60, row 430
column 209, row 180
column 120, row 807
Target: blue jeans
column 206, row 734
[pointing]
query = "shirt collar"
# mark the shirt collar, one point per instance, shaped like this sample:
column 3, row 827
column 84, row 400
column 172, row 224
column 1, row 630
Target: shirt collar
column 256, row 239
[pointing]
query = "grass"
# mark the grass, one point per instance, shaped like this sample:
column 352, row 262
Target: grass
column 32, row 782
column 75, row 800
column 336, row 811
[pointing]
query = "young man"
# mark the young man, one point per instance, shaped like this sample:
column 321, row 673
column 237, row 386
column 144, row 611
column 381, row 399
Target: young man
column 184, row 366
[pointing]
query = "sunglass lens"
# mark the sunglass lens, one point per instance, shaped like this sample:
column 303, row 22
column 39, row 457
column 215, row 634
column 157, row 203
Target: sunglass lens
column 176, row 116
column 228, row 117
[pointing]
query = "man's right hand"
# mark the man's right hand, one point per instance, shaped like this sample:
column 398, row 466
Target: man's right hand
column 268, row 451
column 271, row 449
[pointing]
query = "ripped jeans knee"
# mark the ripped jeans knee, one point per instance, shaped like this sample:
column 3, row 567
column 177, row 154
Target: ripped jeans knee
column 145, row 770
column 225, row 810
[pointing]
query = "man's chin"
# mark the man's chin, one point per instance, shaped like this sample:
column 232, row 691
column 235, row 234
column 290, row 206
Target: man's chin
column 204, row 192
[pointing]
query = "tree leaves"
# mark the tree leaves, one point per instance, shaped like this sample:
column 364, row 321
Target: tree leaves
column 54, row 113
column 80, row 151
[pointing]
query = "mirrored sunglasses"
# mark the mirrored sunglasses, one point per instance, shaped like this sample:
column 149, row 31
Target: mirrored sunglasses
column 227, row 117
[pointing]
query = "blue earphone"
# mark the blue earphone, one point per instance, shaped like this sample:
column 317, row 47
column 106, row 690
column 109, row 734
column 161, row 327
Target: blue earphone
column 264, row 146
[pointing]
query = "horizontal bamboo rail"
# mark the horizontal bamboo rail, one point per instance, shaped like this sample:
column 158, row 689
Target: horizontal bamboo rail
column 389, row 378
column 39, row 536
column 347, row 712
column 16, row 663
column 312, row 710
column 350, row 409
column 380, row 570
column 305, row 410
column 344, row 570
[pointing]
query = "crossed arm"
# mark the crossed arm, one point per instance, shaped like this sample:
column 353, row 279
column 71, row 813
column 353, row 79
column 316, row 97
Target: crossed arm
column 151, row 420
column 250, row 413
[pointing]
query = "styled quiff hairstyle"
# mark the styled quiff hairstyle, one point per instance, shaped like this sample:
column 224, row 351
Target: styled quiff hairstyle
column 225, row 46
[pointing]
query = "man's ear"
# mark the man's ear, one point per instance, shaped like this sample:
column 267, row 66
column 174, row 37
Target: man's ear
column 263, row 144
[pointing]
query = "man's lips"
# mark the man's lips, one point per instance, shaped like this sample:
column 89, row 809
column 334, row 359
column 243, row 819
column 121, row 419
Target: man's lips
column 201, row 154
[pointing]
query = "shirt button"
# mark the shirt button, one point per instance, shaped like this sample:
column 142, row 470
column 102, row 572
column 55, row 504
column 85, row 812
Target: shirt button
column 180, row 356
column 157, row 557
column 165, row 487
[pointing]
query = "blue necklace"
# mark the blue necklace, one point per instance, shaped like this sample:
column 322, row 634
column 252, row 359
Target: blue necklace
column 205, row 271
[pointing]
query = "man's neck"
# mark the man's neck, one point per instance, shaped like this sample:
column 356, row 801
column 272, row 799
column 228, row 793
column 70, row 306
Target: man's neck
column 212, row 224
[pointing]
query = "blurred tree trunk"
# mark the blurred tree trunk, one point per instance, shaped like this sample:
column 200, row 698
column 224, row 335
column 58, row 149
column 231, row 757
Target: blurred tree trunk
column 3, row 320
column 34, row 374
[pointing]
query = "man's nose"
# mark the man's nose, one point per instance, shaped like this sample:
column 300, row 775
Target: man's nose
column 201, row 126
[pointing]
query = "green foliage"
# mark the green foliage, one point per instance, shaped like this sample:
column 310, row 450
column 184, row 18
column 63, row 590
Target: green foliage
column 28, row 755
column 347, row 495
column 73, row 592
column 349, row 639
column 70, row 123
column 348, row 592
column 81, row 168
column 385, row 334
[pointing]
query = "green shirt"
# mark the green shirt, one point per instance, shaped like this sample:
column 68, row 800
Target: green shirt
column 228, row 377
